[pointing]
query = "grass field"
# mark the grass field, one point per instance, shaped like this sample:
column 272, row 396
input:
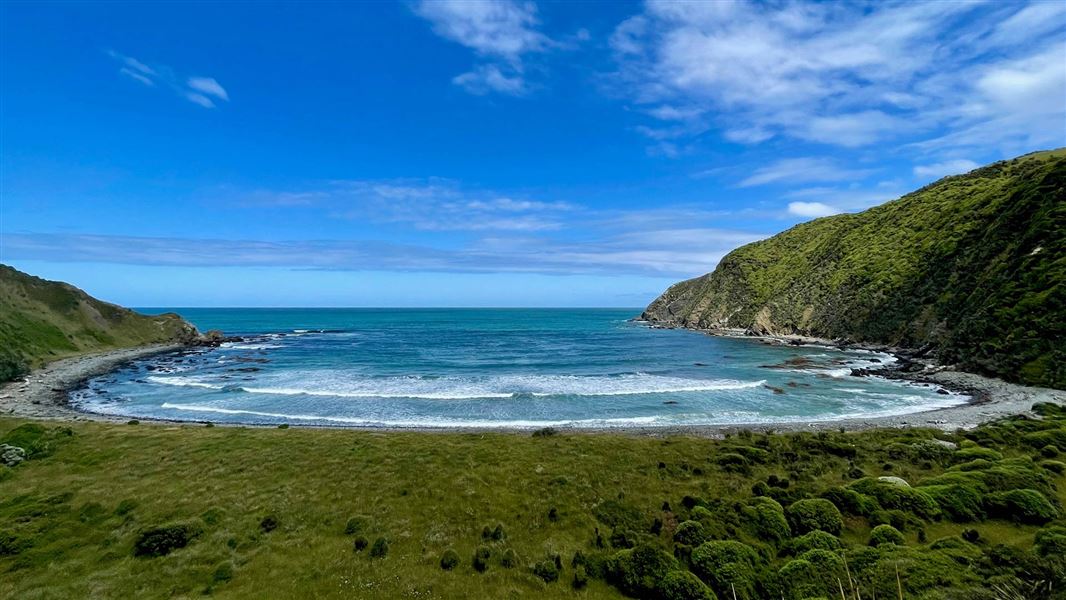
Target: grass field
column 266, row 511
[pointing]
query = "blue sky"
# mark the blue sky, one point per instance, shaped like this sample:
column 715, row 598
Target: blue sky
column 484, row 153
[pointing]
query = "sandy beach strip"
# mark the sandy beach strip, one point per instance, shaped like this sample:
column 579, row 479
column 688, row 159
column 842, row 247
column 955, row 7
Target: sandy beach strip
column 44, row 394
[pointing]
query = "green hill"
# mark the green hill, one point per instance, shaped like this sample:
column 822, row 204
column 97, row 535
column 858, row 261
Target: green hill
column 972, row 266
column 43, row 320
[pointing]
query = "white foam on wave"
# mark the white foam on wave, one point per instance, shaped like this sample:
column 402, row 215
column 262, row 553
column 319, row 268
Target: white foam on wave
column 248, row 346
column 468, row 388
column 421, row 423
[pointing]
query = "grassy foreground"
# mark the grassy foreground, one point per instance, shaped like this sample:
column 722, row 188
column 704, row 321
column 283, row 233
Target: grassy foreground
column 123, row 511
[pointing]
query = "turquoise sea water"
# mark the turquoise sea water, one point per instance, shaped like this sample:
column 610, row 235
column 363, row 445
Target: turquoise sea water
column 492, row 367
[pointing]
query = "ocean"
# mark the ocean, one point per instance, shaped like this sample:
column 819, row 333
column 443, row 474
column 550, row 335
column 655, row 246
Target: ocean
column 524, row 368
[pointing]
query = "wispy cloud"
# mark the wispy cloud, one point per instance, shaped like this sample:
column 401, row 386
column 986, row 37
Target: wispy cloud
column 812, row 209
column 204, row 91
column 943, row 169
column 502, row 33
column 676, row 253
column 793, row 171
column 850, row 75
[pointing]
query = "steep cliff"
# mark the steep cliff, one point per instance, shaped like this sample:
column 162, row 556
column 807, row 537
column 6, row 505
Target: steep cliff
column 972, row 266
column 42, row 320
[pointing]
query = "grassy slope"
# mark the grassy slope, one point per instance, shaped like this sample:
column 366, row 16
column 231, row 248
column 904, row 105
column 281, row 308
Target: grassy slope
column 43, row 320
column 974, row 264
column 62, row 534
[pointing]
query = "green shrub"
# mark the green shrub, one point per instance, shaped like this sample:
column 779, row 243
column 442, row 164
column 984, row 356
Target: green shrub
column 1039, row 439
column 268, row 524
column 975, row 453
column 851, row 502
column 690, row 533
column 36, row 440
column 546, row 570
column 509, row 559
column 1051, row 541
column 815, row 540
column 1022, row 506
column 900, row 497
column 766, row 519
column 733, row 463
column 380, row 549
column 481, row 558
column 581, row 578
column 449, row 559
column 1055, row 466
column 160, row 541
column 683, row 585
column 886, row 534
column 360, row 543
column 725, row 563
column 12, row 367
column 356, row 525
column 815, row 573
column 1049, row 451
column 960, row 503
column 640, row 570
column 223, row 573
column 815, row 513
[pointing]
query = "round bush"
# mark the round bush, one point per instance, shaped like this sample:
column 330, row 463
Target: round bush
column 1055, row 466
column 702, row 514
column 815, row 540
column 160, row 541
column 581, row 578
column 850, row 502
column 722, row 563
column 509, row 559
column 639, row 571
column 960, row 503
column 268, row 524
column 886, row 534
column 355, row 525
column 449, row 560
column 1022, row 506
column 1051, row 541
column 360, row 543
column 766, row 519
column 481, row 558
column 976, row 452
column 690, row 533
column 893, row 496
column 815, row 513
column 546, row 570
column 1049, row 451
column 380, row 549
column 683, row 585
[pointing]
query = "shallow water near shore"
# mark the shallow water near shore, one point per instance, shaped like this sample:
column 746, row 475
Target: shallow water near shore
column 493, row 368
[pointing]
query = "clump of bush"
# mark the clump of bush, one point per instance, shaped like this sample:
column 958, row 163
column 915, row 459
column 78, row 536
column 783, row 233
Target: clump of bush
column 546, row 570
column 815, row 540
column 815, row 513
column 509, row 559
column 959, row 503
column 886, row 534
column 223, row 573
column 815, row 573
column 639, row 571
column 683, row 585
column 36, row 440
column 494, row 534
column 356, row 525
column 1051, row 541
column 268, row 524
column 481, row 558
column 360, row 543
column 725, row 565
column 850, row 502
column 975, row 453
column 732, row 462
column 690, row 533
column 449, row 559
column 1022, row 506
column 380, row 549
column 892, row 495
column 160, row 541
column 765, row 518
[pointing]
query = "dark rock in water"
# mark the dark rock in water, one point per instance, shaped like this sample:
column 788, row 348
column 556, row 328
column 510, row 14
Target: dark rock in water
column 246, row 369
column 875, row 360
column 776, row 390
column 214, row 338
column 699, row 364
column 669, row 401
column 942, row 391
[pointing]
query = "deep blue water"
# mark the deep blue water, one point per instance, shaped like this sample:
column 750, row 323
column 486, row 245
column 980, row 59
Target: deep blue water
column 492, row 367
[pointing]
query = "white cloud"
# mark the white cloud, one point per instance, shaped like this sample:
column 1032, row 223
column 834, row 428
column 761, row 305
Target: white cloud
column 852, row 75
column 502, row 32
column 208, row 86
column 488, row 78
column 943, row 169
column 198, row 90
column 812, row 209
column 792, row 171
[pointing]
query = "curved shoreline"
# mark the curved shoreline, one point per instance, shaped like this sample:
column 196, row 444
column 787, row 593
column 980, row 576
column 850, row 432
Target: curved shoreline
column 44, row 394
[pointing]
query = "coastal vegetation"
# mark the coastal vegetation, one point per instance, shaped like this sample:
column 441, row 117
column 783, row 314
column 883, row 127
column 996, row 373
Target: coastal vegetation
column 139, row 510
column 971, row 268
column 44, row 320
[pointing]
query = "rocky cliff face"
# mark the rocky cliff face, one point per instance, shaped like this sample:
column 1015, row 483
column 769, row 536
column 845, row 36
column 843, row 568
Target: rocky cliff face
column 973, row 266
column 42, row 320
